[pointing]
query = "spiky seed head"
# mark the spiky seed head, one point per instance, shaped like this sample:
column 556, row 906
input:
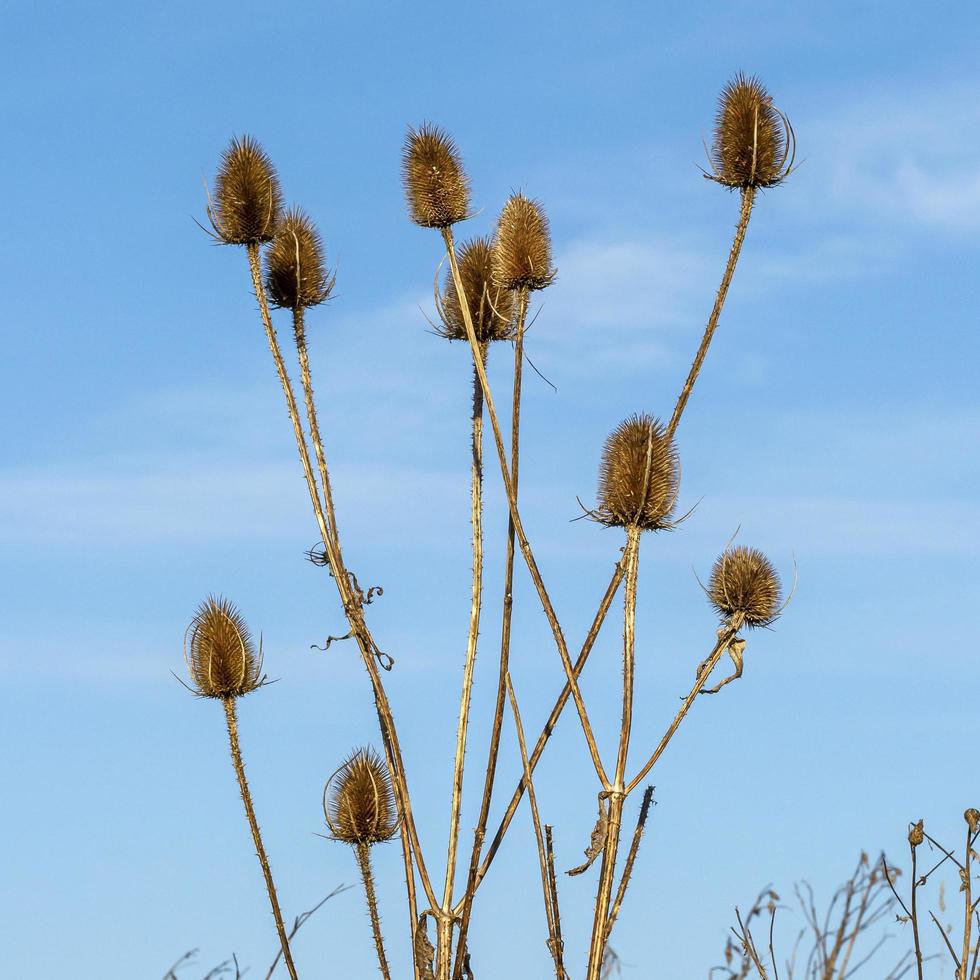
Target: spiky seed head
column 295, row 270
column 220, row 653
column 639, row 475
column 522, row 246
column 359, row 802
column 744, row 582
column 753, row 141
column 491, row 307
column 972, row 818
column 436, row 186
column 247, row 205
column 917, row 834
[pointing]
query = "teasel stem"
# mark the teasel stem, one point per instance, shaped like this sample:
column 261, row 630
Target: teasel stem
column 553, row 889
column 748, row 199
column 299, row 332
column 630, row 860
column 967, row 903
column 550, row 905
column 522, row 540
column 549, row 725
column 725, row 636
column 915, row 915
column 476, row 520
column 270, row 886
column 363, row 852
column 508, row 605
column 617, row 795
column 352, row 608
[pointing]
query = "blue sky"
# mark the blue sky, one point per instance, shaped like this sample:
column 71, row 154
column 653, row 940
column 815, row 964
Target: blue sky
column 148, row 461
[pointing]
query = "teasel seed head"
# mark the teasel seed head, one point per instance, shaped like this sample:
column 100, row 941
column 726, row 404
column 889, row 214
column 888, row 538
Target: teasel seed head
column 296, row 275
column 220, row 652
column 522, row 246
column 491, row 307
column 754, row 144
column 639, row 476
column 972, row 818
column 359, row 802
column 917, row 834
column 247, row 205
column 436, row 186
column 744, row 582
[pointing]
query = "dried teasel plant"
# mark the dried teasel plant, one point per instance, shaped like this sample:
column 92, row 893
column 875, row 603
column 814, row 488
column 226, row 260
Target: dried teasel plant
column 754, row 144
column 359, row 807
column 522, row 246
column 223, row 663
column 743, row 582
column 491, row 307
column 485, row 297
column 436, row 185
column 246, row 207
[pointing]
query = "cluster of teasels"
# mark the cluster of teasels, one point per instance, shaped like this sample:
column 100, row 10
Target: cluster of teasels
column 484, row 300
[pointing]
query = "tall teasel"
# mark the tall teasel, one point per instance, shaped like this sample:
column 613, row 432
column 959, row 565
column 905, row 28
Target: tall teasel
column 221, row 655
column 224, row 663
column 753, row 143
column 522, row 246
column 359, row 807
column 436, row 185
column 639, row 476
column 491, row 307
column 247, row 204
column 744, row 583
column 296, row 274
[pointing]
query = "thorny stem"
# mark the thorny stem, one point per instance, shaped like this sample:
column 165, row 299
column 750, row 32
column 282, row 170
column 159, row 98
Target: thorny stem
column 725, row 637
column 553, row 889
column 914, row 914
column 508, row 605
column 617, row 796
column 270, row 886
column 363, row 852
column 522, row 540
column 748, row 198
column 476, row 519
column 550, row 909
column 299, row 332
column 630, row 860
column 549, row 726
column 967, row 903
column 352, row 608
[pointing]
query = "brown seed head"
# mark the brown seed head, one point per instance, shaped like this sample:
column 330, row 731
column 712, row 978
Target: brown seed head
column 295, row 272
column 753, row 142
column 917, row 834
column 744, row 582
column 638, row 475
column 522, row 247
column 247, row 203
column 491, row 307
column 221, row 656
column 972, row 817
column 359, row 802
column 435, row 183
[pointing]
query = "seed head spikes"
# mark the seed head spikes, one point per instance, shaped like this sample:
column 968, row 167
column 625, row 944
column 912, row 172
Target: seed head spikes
column 743, row 581
column 247, row 205
column 754, row 144
column 436, row 186
column 295, row 272
column 359, row 802
column 522, row 248
column 639, row 476
column 491, row 307
column 221, row 656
